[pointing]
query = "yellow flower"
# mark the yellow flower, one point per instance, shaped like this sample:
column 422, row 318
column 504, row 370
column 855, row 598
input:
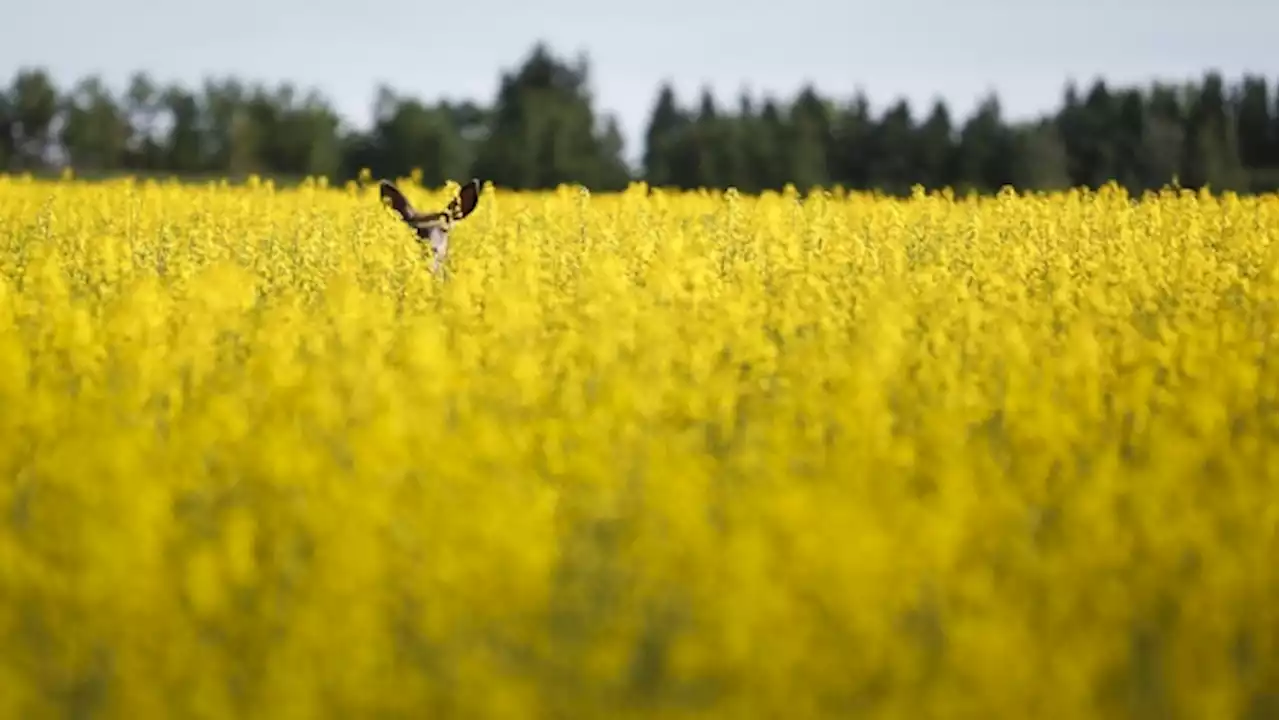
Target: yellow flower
column 645, row 454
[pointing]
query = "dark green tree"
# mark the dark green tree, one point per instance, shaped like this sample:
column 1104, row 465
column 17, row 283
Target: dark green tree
column 985, row 152
column 892, row 150
column 854, row 135
column 1163, row 131
column 666, row 125
column 33, row 102
column 409, row 135
column 809, row 141
column 933, row 149
column 1039, row 157
column 1128, row 126
column 183, row 149
column 765, row 151
column 544, row 129
column 144, row 151
column 95, row 132
column 223, row 113
column 1210, row 147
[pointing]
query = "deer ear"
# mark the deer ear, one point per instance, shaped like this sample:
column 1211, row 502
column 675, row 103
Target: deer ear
column 468, row 196
column 392, row 196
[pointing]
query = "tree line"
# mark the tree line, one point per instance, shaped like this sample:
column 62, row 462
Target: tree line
column 543, row 129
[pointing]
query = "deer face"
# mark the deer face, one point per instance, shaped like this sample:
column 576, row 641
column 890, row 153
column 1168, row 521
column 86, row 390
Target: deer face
column 432, row 228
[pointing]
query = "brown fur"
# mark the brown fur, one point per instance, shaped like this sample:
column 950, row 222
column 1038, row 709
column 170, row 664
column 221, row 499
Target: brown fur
column 432, row 228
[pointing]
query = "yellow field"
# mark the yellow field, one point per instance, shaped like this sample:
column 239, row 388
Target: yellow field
column 670, row 456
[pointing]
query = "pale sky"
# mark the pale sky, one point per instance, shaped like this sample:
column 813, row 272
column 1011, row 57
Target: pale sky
column 1024, row 51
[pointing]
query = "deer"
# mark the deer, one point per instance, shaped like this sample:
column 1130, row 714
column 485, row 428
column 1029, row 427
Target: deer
column 432, row 227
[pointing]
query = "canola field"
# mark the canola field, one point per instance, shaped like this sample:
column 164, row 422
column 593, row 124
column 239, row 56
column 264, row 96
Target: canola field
column 640, row 455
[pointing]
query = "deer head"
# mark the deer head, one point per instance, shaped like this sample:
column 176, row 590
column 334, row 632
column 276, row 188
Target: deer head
column 432, row 227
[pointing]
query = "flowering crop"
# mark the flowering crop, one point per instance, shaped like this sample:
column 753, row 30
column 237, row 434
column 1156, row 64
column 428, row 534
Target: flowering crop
column 636, row 455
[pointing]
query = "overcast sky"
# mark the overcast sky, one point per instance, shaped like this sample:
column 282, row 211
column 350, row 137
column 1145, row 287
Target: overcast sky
column 1024, row 51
